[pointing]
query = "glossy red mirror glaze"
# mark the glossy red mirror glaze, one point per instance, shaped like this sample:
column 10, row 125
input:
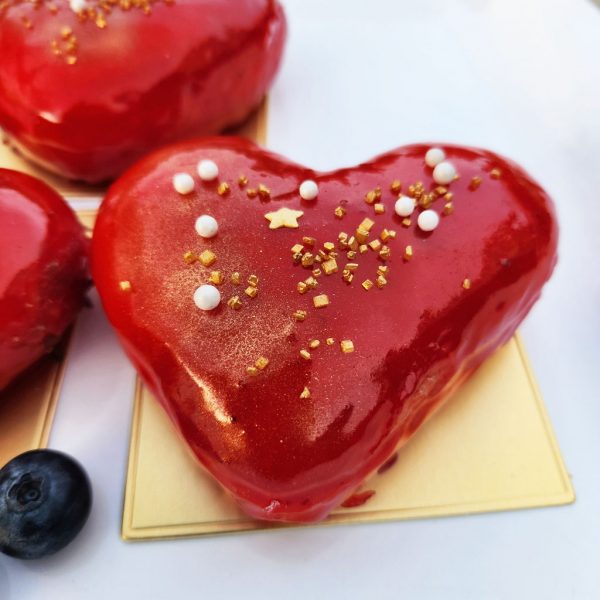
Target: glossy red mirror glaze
column 283, row 456
column 85, row 94
column 43, row 271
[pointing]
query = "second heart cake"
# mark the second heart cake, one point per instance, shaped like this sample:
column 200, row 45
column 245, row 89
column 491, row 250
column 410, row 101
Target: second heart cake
column 299, row 326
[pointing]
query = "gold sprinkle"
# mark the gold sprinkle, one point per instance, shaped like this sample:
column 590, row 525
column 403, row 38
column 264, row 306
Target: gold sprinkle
column 372, row 196
column 251, row 193
column 408, row 252
column 351, row 266
column 363, row 248
column 299, row 315
column 339, row 212
column 234, row 302
column 207, row 258
column 223, row 189
column 284, row 217
column 342, row 236
column 242, row 181
column 330, row 266
column 448, row 196
column 253, row 281
column 396, row 186
column 347, row 346
column 316, row 272
column 71, row 60
column 495, row 173
column 305, row 354
column 321, row 301
column 305, row 393
column 381, row 281
column 441, row 190
column 383, row 270
column 330, row 341
column 190, row 257
column 375, row 245
column 475, row 182
column 311, row 282
column 379, row 208
column 329, row 246
column 252, row 371
column 66, row 32
column 101, row 21
column 302, row 287
column 313, row 344
column 323, row 255
column 251, row 291
column 351, row 254
column 347, row 276
column 297, row 258
column 236, row 278
column 448, row 208
column 387, row 234
column 367, row 284
column 362, row 235
column 309, row 241
column 353, row 243
column 297, row 248
column 406, row 222
column 466, row 284
column 216, row 278
column 385, row 253
column 308, row 260
column 262, row 363
column 263, row 191
column 367, row 224
column 125, row 286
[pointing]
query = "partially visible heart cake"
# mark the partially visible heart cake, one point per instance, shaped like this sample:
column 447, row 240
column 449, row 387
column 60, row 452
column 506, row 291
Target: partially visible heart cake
column 299, row 326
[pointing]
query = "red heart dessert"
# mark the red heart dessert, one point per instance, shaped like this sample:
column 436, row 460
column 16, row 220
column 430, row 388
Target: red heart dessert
column 43, row 271
column 299, row 326
column 88, row 86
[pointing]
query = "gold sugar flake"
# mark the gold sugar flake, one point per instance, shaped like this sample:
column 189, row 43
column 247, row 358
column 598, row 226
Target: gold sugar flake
column 316, row 272
column 299, row 315
column 313, row 344
column 495, row 173
column 347, row 276
column 297, row 258
column 347, row 346
column 190, row 258
column 311, row 282
column 302, row 287
column 448, row 208
column 297, row 248
column 339, row 212
column 305, row 393
column 284, row 217
column 305, row 354
column 252, row 371
column 367, row 284
column 223, row 189
column 406, row 222
column 351, row 254
column 125, row 286
column 363, row 248
column 234, row 302
column 379, row 208
column 381, row 281
column 466, row 284
column 351, row 266
column 387, row 234
column 329, row 246
column 236, row 278
column 367, row 224
column 441, row 190
column 308, row 260
column 251, row 291
column 263, row 191
column 330, row 266
column 385, row 253
column 321, row 301
column 353, row 243
column 475, row 182
column 396, row 186
column 375, row 245
column 383, row 270
column 323, row 255
column 251, row 193
column 448, row 196
column 207, row 258
column 372, row 196
column 242, row 181
column 253, row 281
column 216, row 278
column 330, row 341
column 309, row 241
column 262, row 363
column 408, row 253
column 362, row 235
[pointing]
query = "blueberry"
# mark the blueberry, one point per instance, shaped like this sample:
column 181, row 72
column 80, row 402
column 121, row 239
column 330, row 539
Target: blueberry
column 45, row 500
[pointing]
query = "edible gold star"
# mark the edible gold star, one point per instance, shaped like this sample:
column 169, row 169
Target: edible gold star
column 284, row 217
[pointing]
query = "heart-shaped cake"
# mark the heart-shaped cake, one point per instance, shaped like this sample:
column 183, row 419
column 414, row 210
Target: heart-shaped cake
column 43, row 271
column 89, row 86
column 299, row 326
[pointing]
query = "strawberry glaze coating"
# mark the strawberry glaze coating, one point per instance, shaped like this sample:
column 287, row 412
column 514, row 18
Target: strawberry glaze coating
column 293, row 439
column 43, row 271
column 87, row 93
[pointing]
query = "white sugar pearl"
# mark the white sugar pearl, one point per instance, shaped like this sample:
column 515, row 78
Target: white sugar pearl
column 434, row 156
column 208, row 170
column 444, row 173
column 207, row 297
column 309, row 190
column 78, row 5
column 183, row 183
column 404, row 206
column 428, row 220
column 206, row 226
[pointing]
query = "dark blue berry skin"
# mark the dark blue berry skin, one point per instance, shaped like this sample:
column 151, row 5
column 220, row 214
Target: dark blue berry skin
column 45, row 500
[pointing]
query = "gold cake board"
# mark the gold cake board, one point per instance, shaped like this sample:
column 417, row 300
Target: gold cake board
column 490, row 448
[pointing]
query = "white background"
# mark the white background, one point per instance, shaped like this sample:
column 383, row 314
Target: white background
column 519, row 77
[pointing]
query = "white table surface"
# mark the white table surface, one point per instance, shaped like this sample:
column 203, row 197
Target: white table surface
column 520, row 77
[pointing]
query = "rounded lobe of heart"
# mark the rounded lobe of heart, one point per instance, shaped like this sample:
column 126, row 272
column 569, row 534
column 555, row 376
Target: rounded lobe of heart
column 43, row 271
column 86, row 97
column 292, row 441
